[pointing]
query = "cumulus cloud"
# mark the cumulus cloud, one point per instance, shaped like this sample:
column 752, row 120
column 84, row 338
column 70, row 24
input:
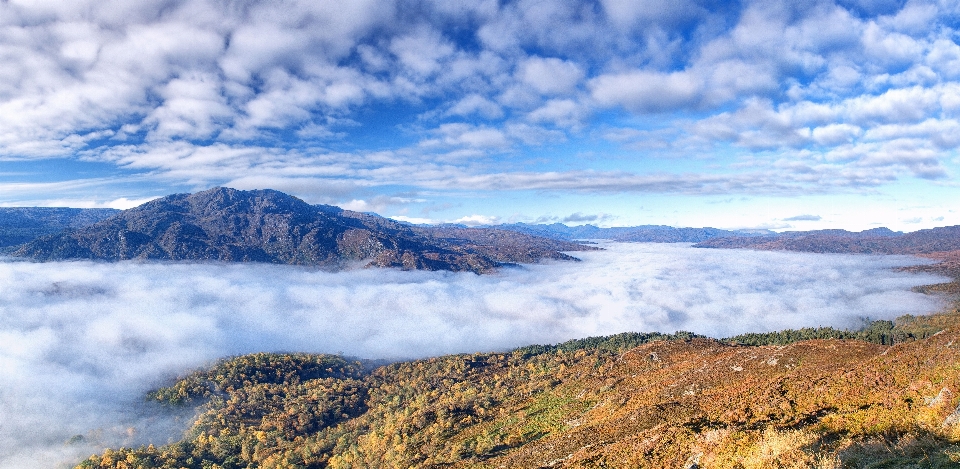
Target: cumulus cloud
column 550, row 75
column 560, row 112
column 475, row 103
column 81, row 342
column 647, row 91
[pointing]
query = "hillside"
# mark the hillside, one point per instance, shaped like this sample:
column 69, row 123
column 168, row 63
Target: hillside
column 19, row 225
column 632, row 400
column 229, row 225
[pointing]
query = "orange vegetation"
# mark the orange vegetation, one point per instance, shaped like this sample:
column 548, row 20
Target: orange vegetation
column 668, row 403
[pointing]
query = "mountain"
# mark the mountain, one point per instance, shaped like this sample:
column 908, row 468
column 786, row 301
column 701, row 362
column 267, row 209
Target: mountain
column 19, row 225
column 941, row 244
column 223, row 224
column 624, row 401
column 643, row 233
column 875, row 241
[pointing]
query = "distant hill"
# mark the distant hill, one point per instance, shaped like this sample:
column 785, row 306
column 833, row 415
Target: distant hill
column 875, row 241
column 642, row 233
column 19, row 225
column 223, row 224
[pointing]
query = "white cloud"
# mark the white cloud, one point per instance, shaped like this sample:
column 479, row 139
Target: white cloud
column 534, row 135
column 840, row 78
column 550, row 75
column 477, row 220
column 647, row 91
column 889, row 48
column 377, row 204
column 422, row 52
column 560, row 112
column 944, row 57
column 476, row 104
column 945, row 134
column 914, row 18
column 469, row 136
column 894, row 106
column 193, row 108
column 836, row 134
column 82, row 342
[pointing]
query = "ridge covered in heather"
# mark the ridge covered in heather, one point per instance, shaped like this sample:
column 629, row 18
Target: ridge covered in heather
column 223, row 224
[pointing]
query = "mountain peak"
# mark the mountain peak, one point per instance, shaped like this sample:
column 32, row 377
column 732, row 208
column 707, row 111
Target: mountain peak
column 225, row 224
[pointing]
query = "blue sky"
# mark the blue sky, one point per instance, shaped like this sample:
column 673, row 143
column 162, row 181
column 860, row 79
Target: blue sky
column 767, row 114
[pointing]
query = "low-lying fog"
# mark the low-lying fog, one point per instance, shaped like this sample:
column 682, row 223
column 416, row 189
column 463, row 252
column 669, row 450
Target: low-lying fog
column 81, row 342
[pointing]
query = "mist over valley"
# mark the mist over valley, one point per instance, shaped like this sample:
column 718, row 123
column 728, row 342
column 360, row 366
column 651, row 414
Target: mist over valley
column 84, row 341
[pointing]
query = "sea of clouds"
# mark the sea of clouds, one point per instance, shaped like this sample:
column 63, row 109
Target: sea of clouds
column 81, row 342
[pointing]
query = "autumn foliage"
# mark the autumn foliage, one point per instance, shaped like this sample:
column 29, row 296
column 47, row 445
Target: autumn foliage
column 625, row 401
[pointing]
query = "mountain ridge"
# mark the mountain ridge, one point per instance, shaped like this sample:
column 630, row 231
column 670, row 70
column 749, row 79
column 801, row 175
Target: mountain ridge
column 875, row 241
column 19, row 225
column 639, row 233
column 223, row 224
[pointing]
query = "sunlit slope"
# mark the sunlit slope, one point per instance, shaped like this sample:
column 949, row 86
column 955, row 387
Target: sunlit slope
column 590, row 403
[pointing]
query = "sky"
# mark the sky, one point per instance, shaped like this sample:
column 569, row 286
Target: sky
column 733, row 114
column 81, row 343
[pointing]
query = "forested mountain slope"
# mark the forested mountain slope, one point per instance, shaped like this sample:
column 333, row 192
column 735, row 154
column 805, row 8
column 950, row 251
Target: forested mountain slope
column 626, row 401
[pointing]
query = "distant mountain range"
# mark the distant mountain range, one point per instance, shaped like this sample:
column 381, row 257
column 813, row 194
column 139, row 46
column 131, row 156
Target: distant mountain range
column 940, row 243
column 875, row 241
column 19, row 225
column 637, row 234
column 224, row 224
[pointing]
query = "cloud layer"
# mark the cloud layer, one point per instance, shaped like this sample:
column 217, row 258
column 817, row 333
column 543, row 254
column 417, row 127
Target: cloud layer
column 386, row 98
column 81, row 342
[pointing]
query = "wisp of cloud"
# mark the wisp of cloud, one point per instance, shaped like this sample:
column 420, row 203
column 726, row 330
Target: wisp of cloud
column 82, row 342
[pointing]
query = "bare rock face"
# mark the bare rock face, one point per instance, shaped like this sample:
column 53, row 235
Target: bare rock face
column 223, row 224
